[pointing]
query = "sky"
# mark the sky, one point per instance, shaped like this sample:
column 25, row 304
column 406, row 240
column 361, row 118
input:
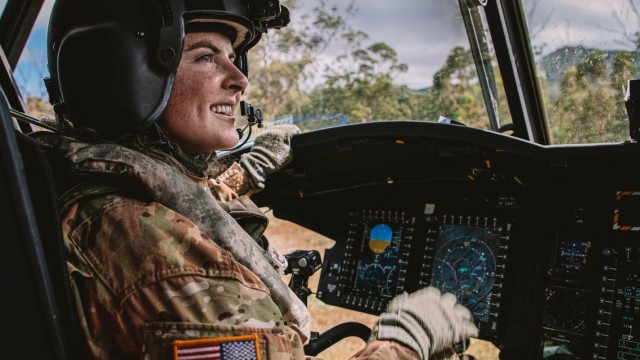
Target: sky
column 421, row 31
column 602, row 24
column 424, row 31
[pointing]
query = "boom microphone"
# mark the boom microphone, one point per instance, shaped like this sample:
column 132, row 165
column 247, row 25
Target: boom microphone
column 254, row 117
column 253, row 113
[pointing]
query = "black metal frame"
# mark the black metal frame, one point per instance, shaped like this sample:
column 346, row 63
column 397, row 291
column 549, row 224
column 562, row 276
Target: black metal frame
column 28, row 298
column 16, row 24
column 508, row 29
column 480, row 51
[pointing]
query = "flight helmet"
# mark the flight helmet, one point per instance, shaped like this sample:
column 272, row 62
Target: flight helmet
column 112, row 62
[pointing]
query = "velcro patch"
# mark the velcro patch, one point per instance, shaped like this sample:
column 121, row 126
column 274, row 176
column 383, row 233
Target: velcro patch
column 243, row 347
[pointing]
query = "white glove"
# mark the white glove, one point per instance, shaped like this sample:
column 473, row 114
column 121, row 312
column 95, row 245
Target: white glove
column 270, row 152
column 425, row 321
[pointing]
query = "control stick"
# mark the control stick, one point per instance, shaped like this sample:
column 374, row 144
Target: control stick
column 301, row 265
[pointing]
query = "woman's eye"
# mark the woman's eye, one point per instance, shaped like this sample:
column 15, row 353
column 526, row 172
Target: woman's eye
column 206, row 58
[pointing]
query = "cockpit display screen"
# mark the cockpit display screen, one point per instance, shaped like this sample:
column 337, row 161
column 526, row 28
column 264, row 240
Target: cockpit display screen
column 379, row 257
column 465, row 265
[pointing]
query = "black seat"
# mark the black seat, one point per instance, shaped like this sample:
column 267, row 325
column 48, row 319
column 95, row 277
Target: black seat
column 35, row 302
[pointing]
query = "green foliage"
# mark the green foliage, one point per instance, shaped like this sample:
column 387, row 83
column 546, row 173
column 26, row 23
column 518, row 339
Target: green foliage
column 363, row 100
column 590, row 105
column 285, row 60
column 623, row 69
column 288, row 76
column 359, row 82
column 456, row 93
column 594, row 66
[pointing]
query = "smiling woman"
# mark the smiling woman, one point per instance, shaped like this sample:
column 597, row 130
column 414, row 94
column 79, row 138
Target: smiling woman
column 196, row 106
column 416, row 144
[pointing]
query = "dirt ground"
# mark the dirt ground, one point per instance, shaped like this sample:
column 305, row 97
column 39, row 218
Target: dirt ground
column 286, row 237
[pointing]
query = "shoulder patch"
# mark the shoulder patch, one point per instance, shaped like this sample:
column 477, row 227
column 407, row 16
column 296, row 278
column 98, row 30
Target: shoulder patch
column 243, row 347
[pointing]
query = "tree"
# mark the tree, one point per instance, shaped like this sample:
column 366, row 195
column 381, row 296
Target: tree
column 285, row 62
column 456, row 92
column 288, row 76
column 623, row 69
column 360, row 84
column 589, row 108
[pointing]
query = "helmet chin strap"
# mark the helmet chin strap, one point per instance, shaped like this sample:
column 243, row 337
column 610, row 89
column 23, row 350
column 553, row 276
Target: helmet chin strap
column 254, row 117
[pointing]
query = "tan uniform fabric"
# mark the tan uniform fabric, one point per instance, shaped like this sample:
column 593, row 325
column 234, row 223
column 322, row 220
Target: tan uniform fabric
column 144, row 274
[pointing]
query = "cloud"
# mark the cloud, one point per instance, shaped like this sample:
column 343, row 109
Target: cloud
column 422, row 33
column 421, row 39
column 557, row 23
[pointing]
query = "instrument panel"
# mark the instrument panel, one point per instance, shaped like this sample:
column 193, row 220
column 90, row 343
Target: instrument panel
column 592, row 296
column 542, row 244
column 387, row 252
column 468, row 261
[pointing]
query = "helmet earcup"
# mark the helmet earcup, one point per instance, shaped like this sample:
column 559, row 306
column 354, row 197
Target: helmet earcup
column 105, row 68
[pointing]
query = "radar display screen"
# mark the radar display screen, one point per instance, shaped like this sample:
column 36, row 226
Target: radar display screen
column 465, row 265
column 572, row 257
column 379, row 259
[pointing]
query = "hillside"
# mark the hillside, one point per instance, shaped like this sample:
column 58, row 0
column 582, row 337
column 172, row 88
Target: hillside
column 555, row 64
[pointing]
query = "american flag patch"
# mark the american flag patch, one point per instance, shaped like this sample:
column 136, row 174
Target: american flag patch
column 243, row 347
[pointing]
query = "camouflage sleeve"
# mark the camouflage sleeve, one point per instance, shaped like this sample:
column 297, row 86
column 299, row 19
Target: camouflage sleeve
column 236, row 179
column 385, row 350
column 146, row 277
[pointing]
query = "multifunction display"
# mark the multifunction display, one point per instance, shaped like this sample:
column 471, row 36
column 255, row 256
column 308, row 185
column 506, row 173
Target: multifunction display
column 466, row 255
column 377, row 252
column 465, row 264
column 380, row 253
column 371, row 268
column 463, row 255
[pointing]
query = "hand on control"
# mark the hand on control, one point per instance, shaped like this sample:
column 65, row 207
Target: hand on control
column 270, row 152
column 427, row 321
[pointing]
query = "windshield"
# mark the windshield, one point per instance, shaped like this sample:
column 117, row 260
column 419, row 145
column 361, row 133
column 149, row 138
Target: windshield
column 585, row 52
column 344, row 62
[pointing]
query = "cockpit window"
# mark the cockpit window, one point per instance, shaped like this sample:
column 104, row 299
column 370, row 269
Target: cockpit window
column 32, row 66
column 343, row 62
column 585, row 52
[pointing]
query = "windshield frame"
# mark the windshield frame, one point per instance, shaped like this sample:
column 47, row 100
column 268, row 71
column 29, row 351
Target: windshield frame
column 16, row 23
column 508, row 29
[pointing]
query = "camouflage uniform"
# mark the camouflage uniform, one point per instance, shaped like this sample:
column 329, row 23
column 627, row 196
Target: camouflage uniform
column 169, row 263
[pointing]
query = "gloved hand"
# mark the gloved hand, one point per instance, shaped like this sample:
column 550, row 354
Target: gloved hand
column 270, row 152
column 425, row 321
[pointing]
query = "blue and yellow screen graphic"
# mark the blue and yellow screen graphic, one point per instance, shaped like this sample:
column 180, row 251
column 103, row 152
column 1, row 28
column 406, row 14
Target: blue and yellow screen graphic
column 380, row 238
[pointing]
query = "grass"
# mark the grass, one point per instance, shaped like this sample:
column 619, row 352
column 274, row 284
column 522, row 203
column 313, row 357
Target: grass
column 286, row 236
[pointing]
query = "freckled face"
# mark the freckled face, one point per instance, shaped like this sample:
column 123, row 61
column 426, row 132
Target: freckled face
column 206, row 90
